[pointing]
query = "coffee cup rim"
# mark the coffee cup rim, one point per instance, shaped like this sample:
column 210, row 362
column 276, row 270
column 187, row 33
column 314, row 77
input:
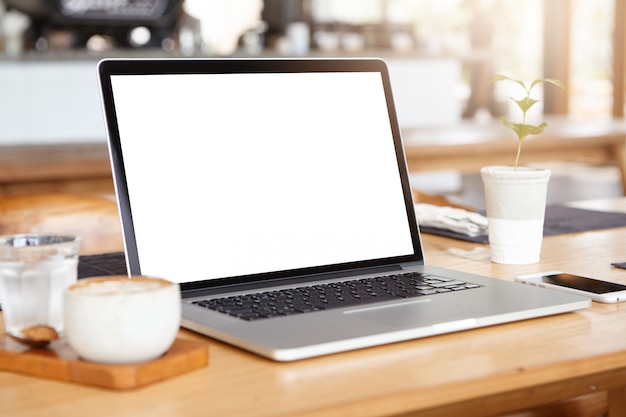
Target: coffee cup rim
column 85, row 282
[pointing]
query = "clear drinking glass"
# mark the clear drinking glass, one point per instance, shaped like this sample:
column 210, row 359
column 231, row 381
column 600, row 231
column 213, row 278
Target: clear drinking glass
column 34, row 271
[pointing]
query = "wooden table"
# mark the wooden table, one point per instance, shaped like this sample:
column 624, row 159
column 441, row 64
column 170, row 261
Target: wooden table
column 469, row 146
column 72, row 167
column 473, row 373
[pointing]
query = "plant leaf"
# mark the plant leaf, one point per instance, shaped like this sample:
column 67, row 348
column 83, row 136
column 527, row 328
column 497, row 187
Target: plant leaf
column 525, row 103
column 501, row 77
column 535, row 130
column 550, row 81
column 509, row 125
column 522, row 129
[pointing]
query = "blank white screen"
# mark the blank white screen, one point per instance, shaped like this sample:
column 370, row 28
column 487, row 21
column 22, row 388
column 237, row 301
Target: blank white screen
column 235, row 174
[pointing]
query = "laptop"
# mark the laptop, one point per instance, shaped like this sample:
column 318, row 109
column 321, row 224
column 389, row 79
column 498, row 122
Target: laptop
column 275, row 191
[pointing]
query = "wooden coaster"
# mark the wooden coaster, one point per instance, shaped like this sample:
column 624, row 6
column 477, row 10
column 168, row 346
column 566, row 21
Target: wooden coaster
column 58, row 361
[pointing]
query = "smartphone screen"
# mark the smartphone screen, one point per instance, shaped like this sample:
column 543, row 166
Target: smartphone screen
column 582, row 283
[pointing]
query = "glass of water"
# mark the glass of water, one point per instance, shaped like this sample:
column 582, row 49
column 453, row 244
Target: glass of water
column 34, row 272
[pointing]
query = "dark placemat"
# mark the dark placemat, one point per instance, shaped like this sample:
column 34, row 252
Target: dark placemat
column 103, row 264
column 559, row 220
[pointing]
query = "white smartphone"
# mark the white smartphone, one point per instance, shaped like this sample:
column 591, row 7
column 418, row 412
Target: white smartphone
column 597, row 290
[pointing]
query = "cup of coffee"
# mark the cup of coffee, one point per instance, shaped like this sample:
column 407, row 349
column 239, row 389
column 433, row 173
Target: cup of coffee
column 34, row 271
column 121, row 320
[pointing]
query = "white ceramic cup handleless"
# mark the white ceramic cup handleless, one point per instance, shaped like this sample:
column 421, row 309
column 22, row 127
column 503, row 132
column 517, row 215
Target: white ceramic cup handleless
column 121, row 320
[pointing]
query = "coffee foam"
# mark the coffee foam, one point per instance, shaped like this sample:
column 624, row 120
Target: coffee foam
column 117, row 285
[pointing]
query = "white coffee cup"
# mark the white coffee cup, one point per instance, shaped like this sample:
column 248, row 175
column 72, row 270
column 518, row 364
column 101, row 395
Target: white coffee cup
column 121, row 320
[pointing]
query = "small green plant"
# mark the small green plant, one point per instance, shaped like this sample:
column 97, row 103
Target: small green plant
column 523, row 129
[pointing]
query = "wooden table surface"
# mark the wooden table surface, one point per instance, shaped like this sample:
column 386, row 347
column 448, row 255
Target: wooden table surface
column 71, row 167
column 472, row 373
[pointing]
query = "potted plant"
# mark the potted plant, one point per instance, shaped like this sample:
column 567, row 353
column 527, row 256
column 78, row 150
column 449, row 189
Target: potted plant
column 515, row 196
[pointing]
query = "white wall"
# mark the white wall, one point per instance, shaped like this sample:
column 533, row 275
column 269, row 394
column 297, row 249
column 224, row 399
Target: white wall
column 49, row 102
column 58, row 101
column 426, row 91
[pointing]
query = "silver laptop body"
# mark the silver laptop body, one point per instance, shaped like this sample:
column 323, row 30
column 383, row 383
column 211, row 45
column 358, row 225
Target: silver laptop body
column 256, row 175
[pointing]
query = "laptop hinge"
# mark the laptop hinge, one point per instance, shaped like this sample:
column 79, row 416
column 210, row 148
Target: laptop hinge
column 301, row 280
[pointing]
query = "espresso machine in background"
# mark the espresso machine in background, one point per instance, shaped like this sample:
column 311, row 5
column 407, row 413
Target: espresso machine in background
column 69, row 24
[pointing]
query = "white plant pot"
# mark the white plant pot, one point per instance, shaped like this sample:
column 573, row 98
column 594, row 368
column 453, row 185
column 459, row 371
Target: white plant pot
column 516, row 206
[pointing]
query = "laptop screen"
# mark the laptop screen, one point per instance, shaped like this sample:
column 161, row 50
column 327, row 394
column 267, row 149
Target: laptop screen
column 245, row 173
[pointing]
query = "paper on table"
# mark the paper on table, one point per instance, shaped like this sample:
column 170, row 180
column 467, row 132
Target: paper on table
column 450, row 218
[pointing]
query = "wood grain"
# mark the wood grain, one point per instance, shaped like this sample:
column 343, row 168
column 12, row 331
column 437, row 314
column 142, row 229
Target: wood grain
column 73, row 167
column 94, row 218
column 59, row 362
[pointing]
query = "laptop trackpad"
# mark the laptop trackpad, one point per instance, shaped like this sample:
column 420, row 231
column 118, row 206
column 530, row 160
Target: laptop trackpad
column 414, row 313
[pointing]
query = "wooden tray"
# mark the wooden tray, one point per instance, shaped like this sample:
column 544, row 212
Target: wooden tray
column 58, row 361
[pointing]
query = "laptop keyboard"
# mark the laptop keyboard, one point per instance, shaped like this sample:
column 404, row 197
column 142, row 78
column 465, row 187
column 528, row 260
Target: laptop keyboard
column 263, row 305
